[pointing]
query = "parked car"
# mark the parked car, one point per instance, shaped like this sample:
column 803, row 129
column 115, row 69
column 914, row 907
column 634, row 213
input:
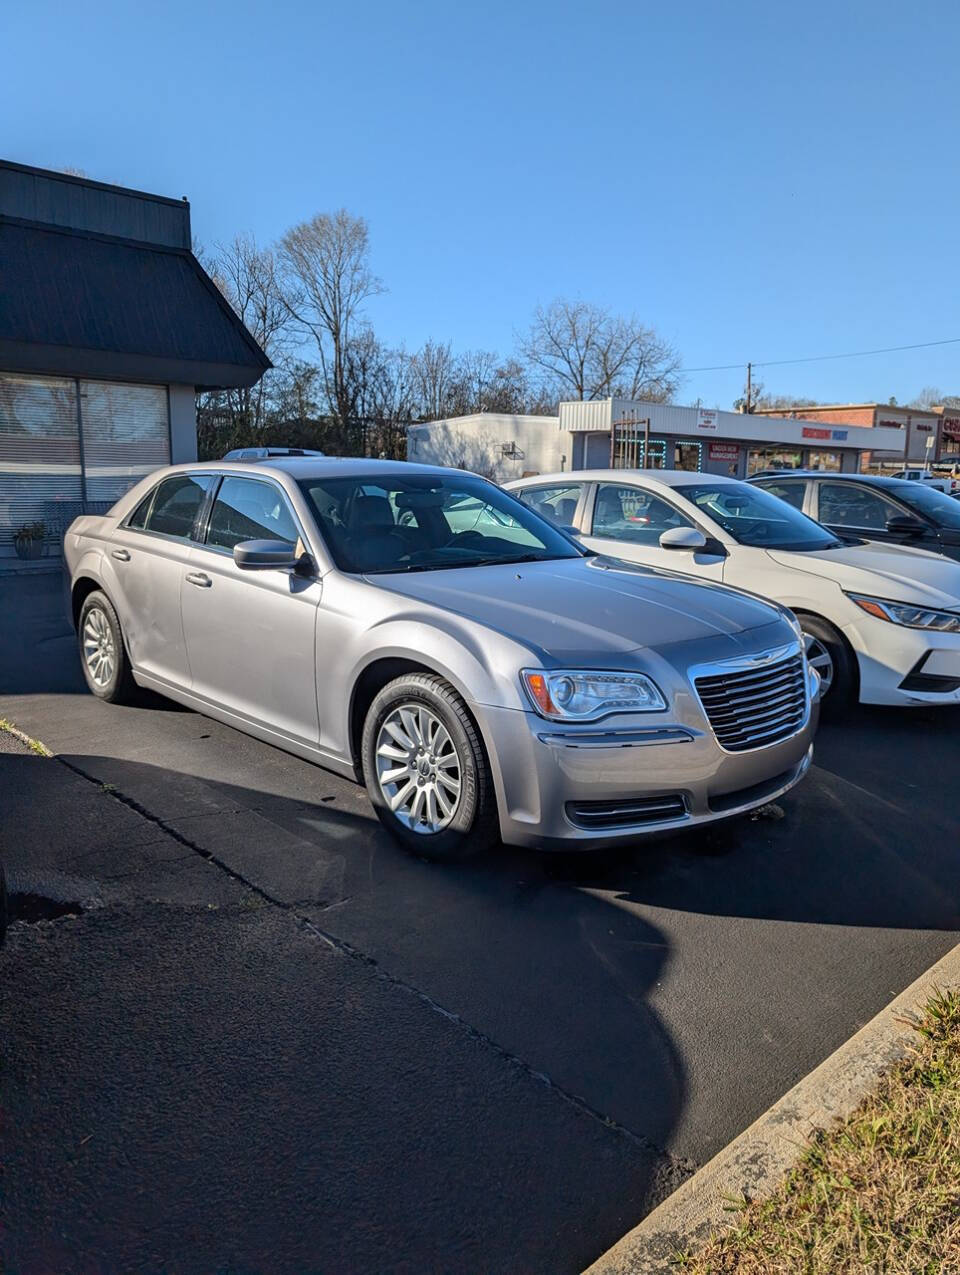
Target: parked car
column 881, row 622
column 868, row 507
column 937, row 481
column 422, row 631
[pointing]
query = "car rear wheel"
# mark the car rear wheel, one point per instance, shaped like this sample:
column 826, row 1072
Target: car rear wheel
column 103, row 655
column 831, row 657
column 426, row 771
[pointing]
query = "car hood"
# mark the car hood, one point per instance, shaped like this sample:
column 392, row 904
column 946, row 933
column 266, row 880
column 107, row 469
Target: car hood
column 585, row 607
column 886, row 571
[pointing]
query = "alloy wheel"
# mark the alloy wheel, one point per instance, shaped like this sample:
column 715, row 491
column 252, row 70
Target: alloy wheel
column 99, row 648
column 418, row 769
column 819, row 658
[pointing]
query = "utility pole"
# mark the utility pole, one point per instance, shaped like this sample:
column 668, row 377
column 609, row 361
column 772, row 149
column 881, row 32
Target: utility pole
column 646, row 443
column 749, row 408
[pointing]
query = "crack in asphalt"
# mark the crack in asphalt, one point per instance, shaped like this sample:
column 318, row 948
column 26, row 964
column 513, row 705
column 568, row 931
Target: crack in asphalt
column 677, row 1164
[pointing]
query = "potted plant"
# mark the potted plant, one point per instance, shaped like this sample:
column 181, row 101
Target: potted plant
column 30, row 540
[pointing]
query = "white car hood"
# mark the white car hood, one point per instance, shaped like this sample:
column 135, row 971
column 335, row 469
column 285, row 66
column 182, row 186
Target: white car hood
column 883, row 571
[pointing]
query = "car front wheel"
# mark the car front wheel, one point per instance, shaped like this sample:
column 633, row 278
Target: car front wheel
column 426, row 771
column 830, row 656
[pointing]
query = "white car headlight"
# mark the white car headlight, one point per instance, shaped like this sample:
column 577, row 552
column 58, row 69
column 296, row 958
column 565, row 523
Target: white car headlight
column 583, row 695
column 911, row 617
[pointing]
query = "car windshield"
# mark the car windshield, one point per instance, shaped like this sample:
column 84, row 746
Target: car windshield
column 755, row 517
column 428, row 522
column 930, row 502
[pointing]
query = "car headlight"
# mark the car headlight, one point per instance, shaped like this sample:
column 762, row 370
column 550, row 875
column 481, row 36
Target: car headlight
column 911, row 617
column 582, row 695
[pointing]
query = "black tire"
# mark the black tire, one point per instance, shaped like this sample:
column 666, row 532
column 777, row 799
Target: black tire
column 823, row 641
column 472, row 825
column 98, row 616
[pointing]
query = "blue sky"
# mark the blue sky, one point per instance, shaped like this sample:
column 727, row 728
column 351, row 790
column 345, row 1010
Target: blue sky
column 758, row 181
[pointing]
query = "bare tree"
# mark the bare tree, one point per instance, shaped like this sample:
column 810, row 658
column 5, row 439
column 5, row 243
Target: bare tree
column 434, row 371
column 327, row 279
column 247, row 277
column 932, row 396
column 582, row 351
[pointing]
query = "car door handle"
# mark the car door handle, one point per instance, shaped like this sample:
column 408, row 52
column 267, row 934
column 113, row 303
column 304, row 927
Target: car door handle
column 121, row 555
column 199, row 579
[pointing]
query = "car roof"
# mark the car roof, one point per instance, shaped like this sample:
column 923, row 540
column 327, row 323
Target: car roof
column 300, row 467
column 875, row 480
column 665, row 477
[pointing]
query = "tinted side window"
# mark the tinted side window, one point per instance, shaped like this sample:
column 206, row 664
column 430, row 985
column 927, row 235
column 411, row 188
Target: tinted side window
column 176, row 505
column 138, row 518
column 246, row 509
column 633, row 515
column 792, row 493
column 850, row 505
column 559, row 504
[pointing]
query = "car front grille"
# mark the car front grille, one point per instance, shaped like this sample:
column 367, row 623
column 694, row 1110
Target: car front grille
column 753, row 707
column 627, row 812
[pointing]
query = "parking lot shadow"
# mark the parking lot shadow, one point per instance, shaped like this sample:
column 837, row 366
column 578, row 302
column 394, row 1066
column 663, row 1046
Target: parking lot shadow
column 545, row 986
column 870, row 838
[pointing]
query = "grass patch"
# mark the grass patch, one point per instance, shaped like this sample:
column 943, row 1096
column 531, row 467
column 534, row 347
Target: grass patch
column 33, row 744
column 877, row 1194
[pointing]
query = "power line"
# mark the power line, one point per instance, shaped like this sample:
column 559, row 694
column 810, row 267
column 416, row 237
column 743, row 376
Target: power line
column 823, row 358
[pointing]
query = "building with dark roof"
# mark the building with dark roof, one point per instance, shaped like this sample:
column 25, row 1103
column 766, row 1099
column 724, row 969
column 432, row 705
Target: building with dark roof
column 108, row 327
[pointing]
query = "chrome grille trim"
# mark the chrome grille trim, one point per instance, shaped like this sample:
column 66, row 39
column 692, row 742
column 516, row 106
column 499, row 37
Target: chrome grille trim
column 754, row 701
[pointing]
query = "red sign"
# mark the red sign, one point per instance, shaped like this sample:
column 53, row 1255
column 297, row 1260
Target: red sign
column 951, row 426
column 810, row 432
column 724, row 451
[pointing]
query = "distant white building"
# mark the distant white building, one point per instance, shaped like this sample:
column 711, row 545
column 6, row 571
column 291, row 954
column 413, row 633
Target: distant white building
column 619, row 433
column 494, row 444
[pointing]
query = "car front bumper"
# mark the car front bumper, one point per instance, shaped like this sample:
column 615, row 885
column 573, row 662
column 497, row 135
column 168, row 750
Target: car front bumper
column 905, row 667
column 569, row 788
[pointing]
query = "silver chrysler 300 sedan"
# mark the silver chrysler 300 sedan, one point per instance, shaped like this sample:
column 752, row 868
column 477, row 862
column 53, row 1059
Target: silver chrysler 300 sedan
column 421, row 630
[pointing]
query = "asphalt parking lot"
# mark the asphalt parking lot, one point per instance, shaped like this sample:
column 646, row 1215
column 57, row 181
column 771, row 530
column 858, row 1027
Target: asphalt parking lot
column 278, row 1043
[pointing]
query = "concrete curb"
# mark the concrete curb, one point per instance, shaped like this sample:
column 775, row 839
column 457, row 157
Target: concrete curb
column 755, row 1162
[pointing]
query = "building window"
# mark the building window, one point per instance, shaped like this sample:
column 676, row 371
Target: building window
column 761, row 458
column 829, row 461
column 40, row 474
column 688, row 456
column 126, row 435
column 69, row 447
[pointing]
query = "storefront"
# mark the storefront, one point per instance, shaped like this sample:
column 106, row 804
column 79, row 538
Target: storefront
column 618, row 434
column 108, row 327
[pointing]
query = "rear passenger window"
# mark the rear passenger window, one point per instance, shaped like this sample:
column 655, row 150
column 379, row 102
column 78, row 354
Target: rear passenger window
column 558, row 504
column 792, row 493
column 850, row 505
column 175, row 506
column 247, row 509
column 138, row 518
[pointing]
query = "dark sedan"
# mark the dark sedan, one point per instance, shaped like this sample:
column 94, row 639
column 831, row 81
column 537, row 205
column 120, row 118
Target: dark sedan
column 869, row 507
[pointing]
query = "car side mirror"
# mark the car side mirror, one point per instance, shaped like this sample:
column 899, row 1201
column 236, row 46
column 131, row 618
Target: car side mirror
column 683, row 538
column 266, row 555
column 571, row 530
column 905, row 525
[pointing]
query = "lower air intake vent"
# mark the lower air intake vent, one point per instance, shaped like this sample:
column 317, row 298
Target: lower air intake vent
column 633, row 810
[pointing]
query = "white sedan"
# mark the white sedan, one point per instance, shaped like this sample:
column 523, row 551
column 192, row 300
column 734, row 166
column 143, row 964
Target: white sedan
column 882, row 622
